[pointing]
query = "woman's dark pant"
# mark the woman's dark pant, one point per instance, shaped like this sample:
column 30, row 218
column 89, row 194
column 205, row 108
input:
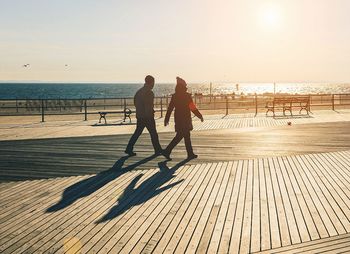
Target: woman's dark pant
column 179, row 135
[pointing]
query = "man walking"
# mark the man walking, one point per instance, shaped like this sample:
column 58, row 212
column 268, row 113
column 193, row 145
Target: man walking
column 143, row 101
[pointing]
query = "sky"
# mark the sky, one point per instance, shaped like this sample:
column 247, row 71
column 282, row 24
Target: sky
column 199, row 40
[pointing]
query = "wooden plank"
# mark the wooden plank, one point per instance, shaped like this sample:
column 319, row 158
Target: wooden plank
column 41, row 221
column 151, row 238
column 324, row 217
column 54, row 157
column 273, row 216
column 255, row 241
column 185, row 198
column 332, row 193
column 97, row 238
column 325, row 200
column 162, row 237
column 231, row 212
column 92, row 212
column 219, row 226
column 213, row 217
column 248, row 211
column 20, row 218
column 287, row 197
column 198, row 233
column 340, row 171
column 297, row 248
column 239, row 217
column 264, row 210
column 167, row 243
column 298, row 205
column 281, row 213
column 311, row 214
column 24, row 201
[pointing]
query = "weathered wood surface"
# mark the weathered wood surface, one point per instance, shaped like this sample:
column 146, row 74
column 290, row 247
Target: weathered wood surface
column 336, row 244
column 9, row 130
column 36, row 159
column 284, row 203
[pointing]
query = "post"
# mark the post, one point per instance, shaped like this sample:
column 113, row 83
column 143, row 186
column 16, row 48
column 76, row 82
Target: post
column 226, row 105
column 256, row 104
column 16, row 105
column 210, row 90
column 333, row 102
column 42, row 111
column 214, row 102
column 124, row 104
column 161, row 107
column 310, row 102
column 85, row 110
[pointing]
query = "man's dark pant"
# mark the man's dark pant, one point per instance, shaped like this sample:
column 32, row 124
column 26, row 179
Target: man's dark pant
column 150, row 124
column 179, row 135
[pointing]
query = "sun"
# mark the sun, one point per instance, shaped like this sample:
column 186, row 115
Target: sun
column 270, row 16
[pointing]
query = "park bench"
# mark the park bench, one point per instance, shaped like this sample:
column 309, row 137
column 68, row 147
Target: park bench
column 127, row 112
column 287, row 103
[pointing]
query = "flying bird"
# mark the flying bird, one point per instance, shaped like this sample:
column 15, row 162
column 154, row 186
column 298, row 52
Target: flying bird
column 26, row 65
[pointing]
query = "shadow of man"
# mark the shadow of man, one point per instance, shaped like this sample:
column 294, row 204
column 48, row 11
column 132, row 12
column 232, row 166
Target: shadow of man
column 148, row 189
column 88, row 186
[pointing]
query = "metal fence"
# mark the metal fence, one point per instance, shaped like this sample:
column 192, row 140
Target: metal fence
column 227, row 104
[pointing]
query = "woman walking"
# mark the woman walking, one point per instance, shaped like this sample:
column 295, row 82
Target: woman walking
column 183, row 104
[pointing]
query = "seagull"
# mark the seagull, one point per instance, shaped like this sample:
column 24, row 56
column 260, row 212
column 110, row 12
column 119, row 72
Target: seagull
column 26, row 65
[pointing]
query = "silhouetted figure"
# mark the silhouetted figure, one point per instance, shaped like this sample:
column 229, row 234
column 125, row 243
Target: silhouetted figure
column 143, row 101
column 183, row 104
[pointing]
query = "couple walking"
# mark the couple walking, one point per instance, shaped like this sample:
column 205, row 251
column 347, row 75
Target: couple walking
column 181, row 101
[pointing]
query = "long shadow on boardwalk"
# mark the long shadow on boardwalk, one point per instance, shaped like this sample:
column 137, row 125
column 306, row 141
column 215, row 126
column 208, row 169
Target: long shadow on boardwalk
column 148, row 189
column 88, row 186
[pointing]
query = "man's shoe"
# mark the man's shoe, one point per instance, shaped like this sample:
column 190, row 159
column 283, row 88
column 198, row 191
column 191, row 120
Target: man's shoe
column 166, row 155
column 192, row 156
column 130, row 153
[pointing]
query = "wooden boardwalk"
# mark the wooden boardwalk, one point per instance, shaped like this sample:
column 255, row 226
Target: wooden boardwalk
column 284, row 203
column 46, row 158
column 55, row 129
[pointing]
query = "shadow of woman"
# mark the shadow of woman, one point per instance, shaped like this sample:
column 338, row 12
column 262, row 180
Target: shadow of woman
column 88, row 186
column 148, row 189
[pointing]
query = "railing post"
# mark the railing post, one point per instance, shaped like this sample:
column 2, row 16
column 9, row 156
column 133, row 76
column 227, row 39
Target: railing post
column 85, row 110
column 161, row 107
column 310, row 102
column 226, row 105
column 124, row 104
column 42, row 111
column 16, row 105
column 333, row 102
column 256, row 104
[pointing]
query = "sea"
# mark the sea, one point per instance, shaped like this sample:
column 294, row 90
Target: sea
column 10, row 90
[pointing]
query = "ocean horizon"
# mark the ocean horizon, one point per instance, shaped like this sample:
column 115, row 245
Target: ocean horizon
column 77, row 90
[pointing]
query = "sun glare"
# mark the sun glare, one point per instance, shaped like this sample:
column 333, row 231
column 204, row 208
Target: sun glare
column 270, row 16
